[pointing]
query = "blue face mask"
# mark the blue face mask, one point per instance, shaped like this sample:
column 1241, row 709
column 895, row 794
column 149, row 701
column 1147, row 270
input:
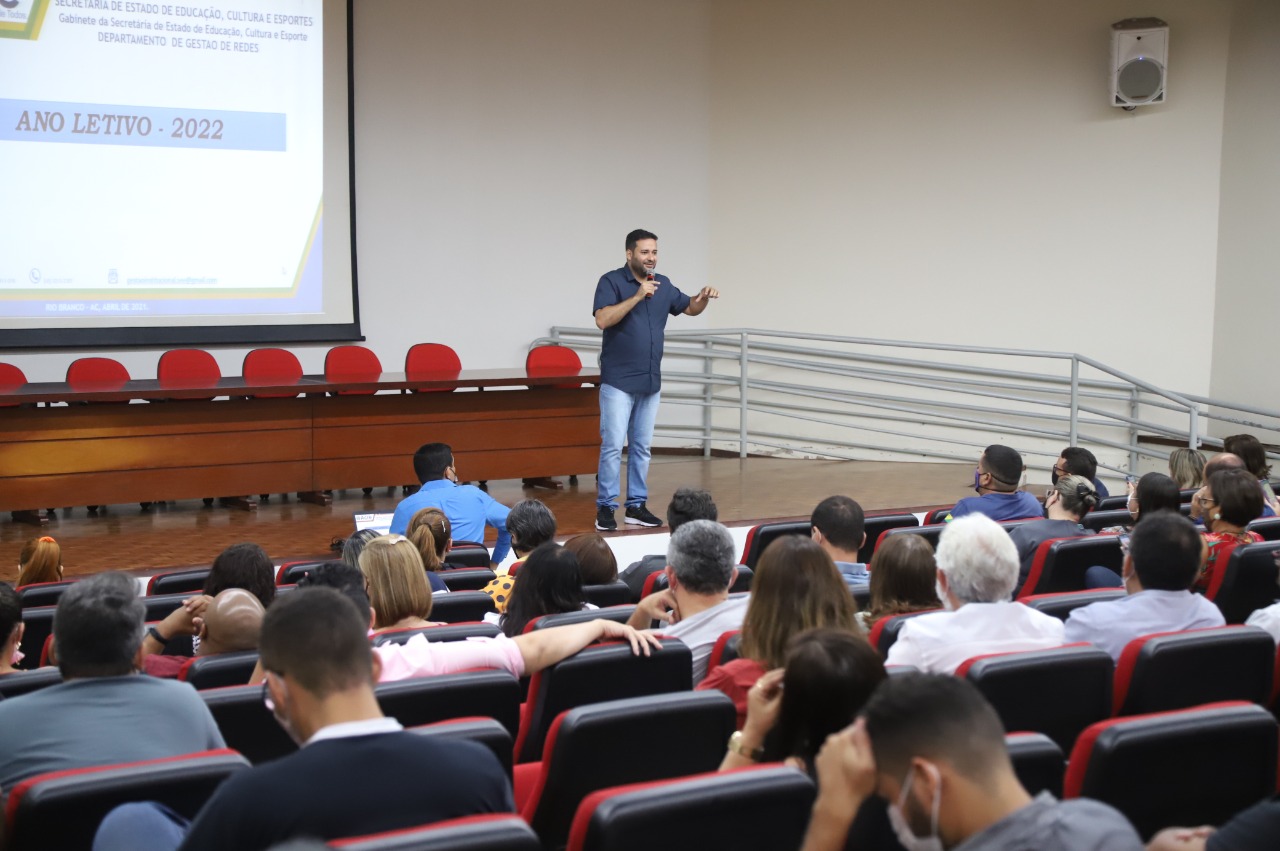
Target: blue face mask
column 977, row 477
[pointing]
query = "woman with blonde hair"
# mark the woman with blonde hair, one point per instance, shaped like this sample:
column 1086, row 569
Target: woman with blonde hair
column 1186, row 467
column 796, row 588
column 398, row 589
column 39, row 561
column 430, row 532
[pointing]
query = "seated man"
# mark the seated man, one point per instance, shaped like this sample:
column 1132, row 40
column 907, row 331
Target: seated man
column 686, row 504
column 696, row 604
column 468, row 508
column 1224, row 461
column 227, row 623
column 1253, row 829
column 103, row 713
column 934, row 749
column 1078, row 461
column 977, row 569
column 838, row 527
column 995, row 480
column 1158, row 572
column 357, row 772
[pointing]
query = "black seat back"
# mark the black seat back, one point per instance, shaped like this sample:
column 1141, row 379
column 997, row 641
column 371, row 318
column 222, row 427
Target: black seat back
column 467, row 578
column 223, row 669
column 178, row 581
column 460, row 606
column 1249, row 582
column 1038, row 762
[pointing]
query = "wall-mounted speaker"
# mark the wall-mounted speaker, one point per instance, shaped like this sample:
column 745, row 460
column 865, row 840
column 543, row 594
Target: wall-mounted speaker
column 1139, row 62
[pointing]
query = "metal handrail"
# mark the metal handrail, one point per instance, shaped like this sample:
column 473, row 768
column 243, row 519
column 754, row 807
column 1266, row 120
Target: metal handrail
column 848, row 385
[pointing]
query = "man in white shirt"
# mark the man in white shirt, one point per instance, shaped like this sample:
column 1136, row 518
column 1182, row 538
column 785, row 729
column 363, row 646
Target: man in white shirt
column 1158, row 572
column 977, row 570
column 696, row 604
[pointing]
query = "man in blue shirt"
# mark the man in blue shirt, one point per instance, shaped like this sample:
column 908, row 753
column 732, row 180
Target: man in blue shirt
column 631, row 308
column 995, row 480
column 839, row 527
column 468, row 508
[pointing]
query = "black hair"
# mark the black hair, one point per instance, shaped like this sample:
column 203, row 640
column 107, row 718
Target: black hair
column 431, row 460
column 344, row 578
column 1165, row 550
column 1004, row 464
column 935, row 716
column 10, row 611
column 1080, row 462
column 1156, row 492
column 548, row 583
column 315, row 636
column 690, row 504
column 637, row 235
column 1251, row 452
column 244, row 566
column 530, row 524
column 841, row 521
column 98, row 626
column 1237, row 496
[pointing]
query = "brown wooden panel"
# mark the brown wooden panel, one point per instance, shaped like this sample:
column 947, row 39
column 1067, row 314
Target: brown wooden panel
column 141, row 452
column 153, row 485
column 445, row 407
column 493, row 465
column 464, row 436
column 91, row 421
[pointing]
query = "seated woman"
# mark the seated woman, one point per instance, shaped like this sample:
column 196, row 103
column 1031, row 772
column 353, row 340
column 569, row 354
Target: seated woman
column 550, row 584
column 1254, row 455
column 796, row 588
column 10, row 629
column 1069, row 500
column 904, row 579
column 421, row 533
column 398, row 589
column 596, row 559
column 354, row 545
column 1186, row 467
column 244, row 566
column 39, row 561
column 1153, row 492
column 1231, row 500
column 530, row 524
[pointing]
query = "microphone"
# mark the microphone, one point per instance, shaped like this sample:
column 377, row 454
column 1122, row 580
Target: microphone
column 651, row 280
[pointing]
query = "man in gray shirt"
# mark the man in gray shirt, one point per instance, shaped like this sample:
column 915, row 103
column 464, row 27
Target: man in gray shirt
column 932, row 746
column 104, row 712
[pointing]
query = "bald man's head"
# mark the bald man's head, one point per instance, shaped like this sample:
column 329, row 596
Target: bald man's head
column 232, row 622
column 1222, row 461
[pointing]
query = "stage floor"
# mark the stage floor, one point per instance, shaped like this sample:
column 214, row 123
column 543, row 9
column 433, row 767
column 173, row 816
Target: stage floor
column 180, row 534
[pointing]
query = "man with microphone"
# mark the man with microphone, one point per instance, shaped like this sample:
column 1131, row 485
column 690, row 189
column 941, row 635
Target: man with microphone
column 631, row 307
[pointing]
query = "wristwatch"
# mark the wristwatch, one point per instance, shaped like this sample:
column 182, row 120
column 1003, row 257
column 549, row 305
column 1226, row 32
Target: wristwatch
column 737, row 744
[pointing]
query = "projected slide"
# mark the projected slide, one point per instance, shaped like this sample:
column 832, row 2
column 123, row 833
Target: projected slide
column 160, row 160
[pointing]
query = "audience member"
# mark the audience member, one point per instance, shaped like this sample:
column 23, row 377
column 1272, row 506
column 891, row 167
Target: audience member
column 1078, row 461
column 1223, row 461
column 1254, row 829
column 355, row 543
column 1153, row 492
column 40, row 560
column 398, row 589
column 522, row 655
column 995, row 480
column 1068, row 501
column 796, row 588
column 904, row 578
column 1186, row 467
column 244, row 566
column 838, row 527
column 1254, row 455
column 357, row 772
column 441, row 534
column 977, row 570
column 103, row 713
column 1159, row 570
column 595, row 558
column 550, row 583
column 686, row 504
column 1231, row 500
column 10, row 628
column 696, row 607
column 530, row 524
column 227, row 623
column 934, row 749
column 422, row 534
column 468, row 508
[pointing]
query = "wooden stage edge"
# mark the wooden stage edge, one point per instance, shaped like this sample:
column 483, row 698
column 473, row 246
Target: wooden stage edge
column 186, row 532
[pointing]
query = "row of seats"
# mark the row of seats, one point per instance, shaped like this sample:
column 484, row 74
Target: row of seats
column 599, row 789
column 197, row 368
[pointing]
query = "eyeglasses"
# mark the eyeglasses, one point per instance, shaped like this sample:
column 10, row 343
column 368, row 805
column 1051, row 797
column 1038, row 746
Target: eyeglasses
column 1061, row 471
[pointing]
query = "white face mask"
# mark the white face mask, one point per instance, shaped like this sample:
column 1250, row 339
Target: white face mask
column 901, row 829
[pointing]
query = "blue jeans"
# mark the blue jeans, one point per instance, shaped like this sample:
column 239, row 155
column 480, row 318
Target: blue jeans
column 626, row 416
column 143, row 826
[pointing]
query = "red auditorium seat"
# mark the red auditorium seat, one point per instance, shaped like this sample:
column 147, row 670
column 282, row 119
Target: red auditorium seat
column 467, row 554
column 220, row 670
column 178, row 581
column 1060, row 563
column 188, row 368
column 493, row 832
column 657, row 581
column 553, row 360
column 448, row 632
column 432, row 362
column 352, row 364
column 90, row 374
column 757, row 807
column 595, row 747
column 607, row 594
column 62, row 809
column 1189, row 767
column 601, row 672
column 725, row 649
column 877, row 525
column 291, row 571
column 43, row 593
column 618, row 614
column 761, row 536
column 1173, row 670
column 1249, row 581
column 11, row 379
column 1062, row 604
column 271, row 367
column 885, row 632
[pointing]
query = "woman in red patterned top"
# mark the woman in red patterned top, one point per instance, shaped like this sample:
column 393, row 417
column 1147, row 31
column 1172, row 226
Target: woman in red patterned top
column 1231, row 499
column 796, row 588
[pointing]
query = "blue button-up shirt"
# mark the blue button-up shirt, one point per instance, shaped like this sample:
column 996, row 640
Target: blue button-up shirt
column 467, row 507
column 631, row 354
